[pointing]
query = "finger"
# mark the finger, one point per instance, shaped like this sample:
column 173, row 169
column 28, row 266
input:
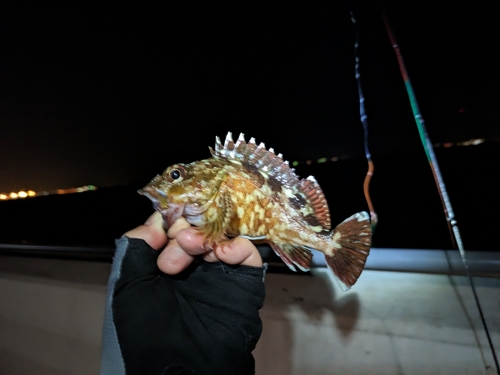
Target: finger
column 152, row 232
column 192, row 241
column 238, row 251
column 173, row 259
column 153, row 218
column 178, row 225
column 210, row 257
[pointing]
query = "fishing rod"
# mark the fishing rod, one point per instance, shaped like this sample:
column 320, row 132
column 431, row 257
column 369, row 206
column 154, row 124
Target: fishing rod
column 436, row 172
column 364, row 122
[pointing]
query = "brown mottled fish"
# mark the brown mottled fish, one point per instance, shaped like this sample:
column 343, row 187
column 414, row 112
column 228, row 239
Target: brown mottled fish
column 248, row 191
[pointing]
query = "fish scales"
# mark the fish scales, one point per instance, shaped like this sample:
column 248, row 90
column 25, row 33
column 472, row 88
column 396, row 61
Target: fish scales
column 249, row 191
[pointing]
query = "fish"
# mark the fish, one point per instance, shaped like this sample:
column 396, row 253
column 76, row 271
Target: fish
column 248, row 191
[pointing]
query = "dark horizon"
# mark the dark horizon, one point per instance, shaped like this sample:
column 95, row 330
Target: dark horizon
column 402, row 190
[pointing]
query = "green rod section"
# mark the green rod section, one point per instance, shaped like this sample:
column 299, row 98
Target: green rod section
column 431, row 157
column 418, row 118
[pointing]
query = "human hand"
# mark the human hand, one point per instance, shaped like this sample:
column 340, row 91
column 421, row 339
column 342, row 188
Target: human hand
column 182, row 243
column 169, row 314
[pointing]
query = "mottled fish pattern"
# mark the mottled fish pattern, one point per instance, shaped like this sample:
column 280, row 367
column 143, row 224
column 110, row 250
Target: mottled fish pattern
column 249, row 191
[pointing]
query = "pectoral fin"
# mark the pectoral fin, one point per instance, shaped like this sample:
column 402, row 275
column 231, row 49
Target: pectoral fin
column 218, row 216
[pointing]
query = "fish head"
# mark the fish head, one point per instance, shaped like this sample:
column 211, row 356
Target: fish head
column 184, row 189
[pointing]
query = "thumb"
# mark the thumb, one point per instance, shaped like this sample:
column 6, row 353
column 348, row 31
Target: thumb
column 151, row 232
column 238, row 251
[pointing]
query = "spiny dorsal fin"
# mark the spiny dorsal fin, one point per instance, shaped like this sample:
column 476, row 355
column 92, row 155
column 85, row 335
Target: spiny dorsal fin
column 256, row 157
column 275, row 167
column 317, row 200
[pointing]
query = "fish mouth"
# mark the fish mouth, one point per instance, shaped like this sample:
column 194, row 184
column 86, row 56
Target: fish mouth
column 158, row 197
column 170, row 212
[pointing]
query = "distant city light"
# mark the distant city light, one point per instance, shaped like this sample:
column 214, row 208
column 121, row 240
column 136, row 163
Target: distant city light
column 470, row 142
column 32, row 193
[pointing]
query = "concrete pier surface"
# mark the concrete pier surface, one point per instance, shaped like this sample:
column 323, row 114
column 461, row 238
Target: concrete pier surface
column 51, row 314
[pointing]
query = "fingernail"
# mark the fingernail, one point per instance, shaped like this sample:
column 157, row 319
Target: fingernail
column 153, row 218
column 173, row 254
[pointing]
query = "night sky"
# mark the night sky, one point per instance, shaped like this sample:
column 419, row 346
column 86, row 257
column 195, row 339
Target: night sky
column 111, row 95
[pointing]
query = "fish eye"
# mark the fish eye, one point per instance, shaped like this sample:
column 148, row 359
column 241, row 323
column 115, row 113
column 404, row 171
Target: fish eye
column 175, row 174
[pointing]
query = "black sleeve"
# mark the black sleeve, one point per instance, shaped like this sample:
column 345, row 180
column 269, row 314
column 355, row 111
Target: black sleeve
column 202, row 321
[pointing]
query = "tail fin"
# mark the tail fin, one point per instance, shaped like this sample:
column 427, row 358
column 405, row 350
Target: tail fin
column 351, row 242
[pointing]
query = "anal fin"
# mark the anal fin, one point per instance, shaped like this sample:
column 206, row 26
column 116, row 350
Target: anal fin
column 293, row 255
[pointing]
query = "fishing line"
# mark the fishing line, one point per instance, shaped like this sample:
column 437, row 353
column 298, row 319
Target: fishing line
column 364, row 122
column 431, row 157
